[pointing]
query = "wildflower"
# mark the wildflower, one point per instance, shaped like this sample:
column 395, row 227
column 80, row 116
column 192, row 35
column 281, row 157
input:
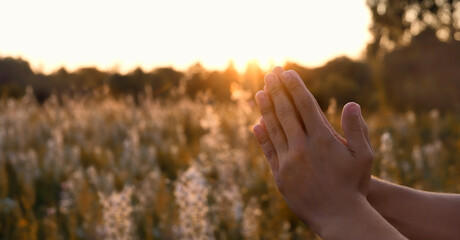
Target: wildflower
column 417, row 156
column 332, row 108
column 250, row 226
column 191, row 192
column 432, row 152
column 388, row 164
column 117, row 214
column 410, row 117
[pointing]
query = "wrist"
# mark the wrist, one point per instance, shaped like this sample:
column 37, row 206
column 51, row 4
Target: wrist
column 374, row 190
column 356, row 219
column 342, row 219
column 330, row 218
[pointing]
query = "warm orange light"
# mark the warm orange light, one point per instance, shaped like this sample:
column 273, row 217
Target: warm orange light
column 52, row 33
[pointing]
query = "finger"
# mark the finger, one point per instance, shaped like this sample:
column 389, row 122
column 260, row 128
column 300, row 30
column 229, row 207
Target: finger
column 284, row 109
column 262, row 122
column 354, row 132
column 267, row 146
column 305, row 103
column 275, row 132
column 278, row 70
column 323, row 116
column 366, row 132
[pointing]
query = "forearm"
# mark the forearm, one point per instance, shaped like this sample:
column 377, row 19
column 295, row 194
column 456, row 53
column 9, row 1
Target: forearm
column 359, row 220
column 417, row 214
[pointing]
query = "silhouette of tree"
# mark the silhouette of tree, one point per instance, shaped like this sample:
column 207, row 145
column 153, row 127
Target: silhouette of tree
column 163, row 80
column 395, row 22
column 341, row 78
column 15, row 74
column 195, row 80
column 423, row 75
column 119, row 84
column 215, row 82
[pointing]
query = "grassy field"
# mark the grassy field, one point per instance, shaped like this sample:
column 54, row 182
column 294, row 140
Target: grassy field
column 104, row 168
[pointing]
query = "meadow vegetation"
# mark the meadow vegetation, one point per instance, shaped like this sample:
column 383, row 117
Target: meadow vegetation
column 102, row 167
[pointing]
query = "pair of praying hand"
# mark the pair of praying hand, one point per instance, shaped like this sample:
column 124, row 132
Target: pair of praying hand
column 326, row 178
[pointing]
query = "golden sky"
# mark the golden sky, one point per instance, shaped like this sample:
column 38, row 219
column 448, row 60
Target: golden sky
column 124, row 34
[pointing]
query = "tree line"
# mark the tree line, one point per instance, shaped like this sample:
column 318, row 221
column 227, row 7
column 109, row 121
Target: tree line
column 421, row 76
column 412, row 62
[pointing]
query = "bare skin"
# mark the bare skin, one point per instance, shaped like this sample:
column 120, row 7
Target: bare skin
column 323, row 177
column 417, row 214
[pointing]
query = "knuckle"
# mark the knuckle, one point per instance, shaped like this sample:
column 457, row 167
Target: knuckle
column 297, row 151
column 323, row 139
column 275, row 91
column 354, row 129
column 292, row 84
column 280, row 184
column 296, row 154
column 284, row 113
column 284, row 178
column 263, row 140
column 281, row 180
column 274, row 130
column 269, row 155
column 306, row 105
column 291, row 79
column 265, row 110
column 368, row 157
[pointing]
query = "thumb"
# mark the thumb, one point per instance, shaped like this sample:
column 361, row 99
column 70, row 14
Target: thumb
column 353, row 129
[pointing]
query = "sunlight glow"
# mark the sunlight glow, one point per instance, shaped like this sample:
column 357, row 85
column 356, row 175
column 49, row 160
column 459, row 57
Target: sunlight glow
column 125, row 34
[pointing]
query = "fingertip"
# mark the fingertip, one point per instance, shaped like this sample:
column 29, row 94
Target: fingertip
column 354, row 128
column 256, row 129
column 291, row 81
column 270, row 79
column 352, row 108
column 260, row 96
column 286, row 76
column 278, row 70
column 259, row 133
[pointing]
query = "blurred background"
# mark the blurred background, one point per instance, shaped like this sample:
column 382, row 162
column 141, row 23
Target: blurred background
column 133, row 121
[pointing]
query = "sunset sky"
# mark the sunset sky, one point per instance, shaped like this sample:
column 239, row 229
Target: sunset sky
column 124, row 34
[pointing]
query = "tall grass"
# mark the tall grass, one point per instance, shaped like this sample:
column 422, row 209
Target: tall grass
column 105, row 168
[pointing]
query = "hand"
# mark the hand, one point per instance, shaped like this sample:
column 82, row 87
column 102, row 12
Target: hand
column 320, row 174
